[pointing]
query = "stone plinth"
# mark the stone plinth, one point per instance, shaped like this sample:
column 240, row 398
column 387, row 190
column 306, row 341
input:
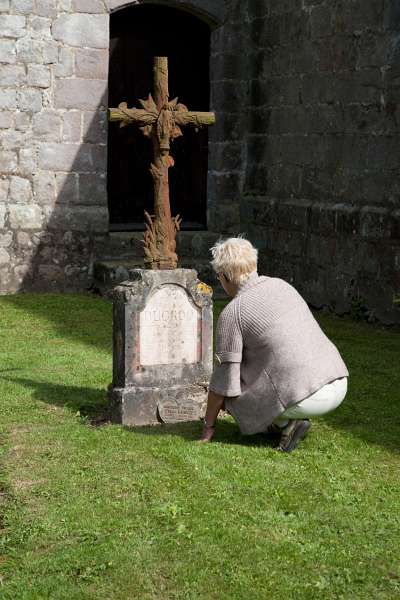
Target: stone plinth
column 162, row 352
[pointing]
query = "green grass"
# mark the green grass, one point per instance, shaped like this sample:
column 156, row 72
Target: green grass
column 111, row 513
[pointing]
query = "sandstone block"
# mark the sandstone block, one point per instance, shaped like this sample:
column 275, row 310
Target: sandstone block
column 27, row 161
column 20, row 190
column 44, row 187
column 82, row 30
column 89, row 6
column 71, row 126
column 22, row 121
column 12, row 75
column 46, row 8
column 8, row 161
column 91, row 64
column 95, row 127
column 2, row 216
column 40, row 27
column 92, row 189
column 67, row 188
column 24, row 7
column 28, row 216
column 65, row 65
column 29, row 100
column 6, row 239
column 7, row 51
column 4, row 257
column 7, row 98
column 12, row 26
column 39, row 76
column 6, row 119
column 29, row 51
column 80, row 93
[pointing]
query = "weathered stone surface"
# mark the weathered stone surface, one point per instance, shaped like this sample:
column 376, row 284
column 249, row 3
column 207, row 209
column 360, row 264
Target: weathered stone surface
column 12, row 75
column 46, row 8
column 8, row 161
column 80, row 93
column 72, row 157
column 7, row 51
column 91, row 64
column 7, row 98
column 22, row 121
column 6, row 119
column 46, row 125
column 95, row 127
column 29, row 100
column 44, row 187
column 82, row 30
column 65, row 64
column 40, row 26
column 67, row 188
column 72, row 126
column 2, row 216
column 12, row 26
column 24, row 7
column 180, row 360
column 92, row 189
column 89, row 6
column 25, row 216
column 28, row 51
column 6, row 239
column 39, row 76
column 4, row 5
column 27, row 161
column 20, row 190
column 4, row 257
column 50, row 52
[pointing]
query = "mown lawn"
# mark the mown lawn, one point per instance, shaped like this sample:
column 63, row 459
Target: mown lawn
column 104, row 512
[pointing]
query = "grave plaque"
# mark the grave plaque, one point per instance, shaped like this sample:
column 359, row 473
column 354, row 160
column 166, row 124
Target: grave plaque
column 162, row 354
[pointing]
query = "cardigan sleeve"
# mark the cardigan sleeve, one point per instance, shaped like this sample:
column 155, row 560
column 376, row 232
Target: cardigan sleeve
column 225, row 379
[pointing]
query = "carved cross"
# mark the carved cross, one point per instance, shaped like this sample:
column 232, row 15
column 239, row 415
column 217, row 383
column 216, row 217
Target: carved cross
column 161, row 120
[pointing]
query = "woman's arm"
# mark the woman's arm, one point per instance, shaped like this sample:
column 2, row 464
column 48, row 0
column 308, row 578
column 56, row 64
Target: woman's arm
column 214, row 405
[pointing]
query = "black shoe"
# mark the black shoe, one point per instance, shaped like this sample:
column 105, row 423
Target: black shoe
column 292, row 434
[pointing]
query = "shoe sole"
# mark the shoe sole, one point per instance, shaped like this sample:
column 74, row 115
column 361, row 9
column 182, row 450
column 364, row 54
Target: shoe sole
column 298, row 435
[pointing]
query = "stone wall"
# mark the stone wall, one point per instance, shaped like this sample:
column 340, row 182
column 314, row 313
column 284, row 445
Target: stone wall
column 321, row 195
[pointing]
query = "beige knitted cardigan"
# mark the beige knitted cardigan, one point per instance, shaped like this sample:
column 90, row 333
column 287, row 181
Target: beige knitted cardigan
column 270, row 353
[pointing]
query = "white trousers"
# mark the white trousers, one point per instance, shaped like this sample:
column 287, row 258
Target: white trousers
column 327, row 398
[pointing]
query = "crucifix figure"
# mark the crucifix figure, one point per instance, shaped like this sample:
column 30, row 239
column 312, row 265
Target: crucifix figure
column 160, row 120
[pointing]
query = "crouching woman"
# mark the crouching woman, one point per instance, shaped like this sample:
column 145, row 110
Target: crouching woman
column 274, row 366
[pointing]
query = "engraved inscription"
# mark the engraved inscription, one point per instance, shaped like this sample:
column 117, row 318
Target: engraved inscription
column 169, row 328
column 173, row 413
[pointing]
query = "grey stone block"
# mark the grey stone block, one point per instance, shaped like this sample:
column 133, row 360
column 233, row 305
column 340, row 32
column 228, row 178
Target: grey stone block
column 20, row 190
column 39, row 76
column 40, row 26
column 46, row 8
column 7, row 51
column 67, row 157
column 27, row 161
column 6, row 119
column 12, row 75
column 92, row 190
column 24, row 7
column 25, row 216
column 29, row 51
column 50, row 52
column 82, row 30
column 46, row 125
column 91, row 64
column 29, row 100
column 4, row 186
column 67, row 188
column 80, row 93
column 95, row 127
column 6, row 240
column 4, row 5
column 22, row 121
column 89, row 6
column 8, row 161
column 7, row 98
column 12, row 26
column 2, row 216
column 44, row 187
column 4, row 257
column 65, row 64
column 72, row 126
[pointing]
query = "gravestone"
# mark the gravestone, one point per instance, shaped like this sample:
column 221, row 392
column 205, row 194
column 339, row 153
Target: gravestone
column 162, row 355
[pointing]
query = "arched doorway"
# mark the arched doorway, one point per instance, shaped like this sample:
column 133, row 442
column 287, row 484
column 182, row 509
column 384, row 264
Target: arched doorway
column 138, row 33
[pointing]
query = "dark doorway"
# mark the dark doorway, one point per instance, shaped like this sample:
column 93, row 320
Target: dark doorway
column 139, row 33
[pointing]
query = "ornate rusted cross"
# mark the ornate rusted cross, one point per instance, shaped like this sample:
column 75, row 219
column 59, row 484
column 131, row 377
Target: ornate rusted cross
column 160, row 120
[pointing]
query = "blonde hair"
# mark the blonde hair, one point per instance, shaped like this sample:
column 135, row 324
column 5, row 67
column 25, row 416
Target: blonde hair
column 236, row 258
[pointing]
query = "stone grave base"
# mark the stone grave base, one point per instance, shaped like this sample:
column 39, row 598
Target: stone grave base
column 137, row 406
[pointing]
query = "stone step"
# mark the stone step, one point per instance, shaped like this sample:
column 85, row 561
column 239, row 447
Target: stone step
column 108, row 273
